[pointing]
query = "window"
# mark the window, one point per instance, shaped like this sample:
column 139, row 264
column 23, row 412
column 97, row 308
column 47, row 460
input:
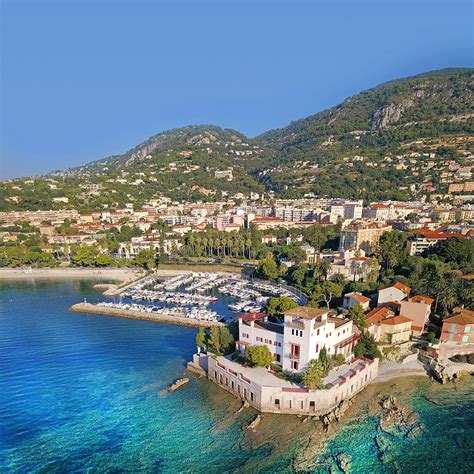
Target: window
column 277, row 401
column 295, row 350
column 317, row 348
column 467, row 328
column 259, row 339
column 294, row 364
column 277, row 357
column 453, row 327
column 317, row 332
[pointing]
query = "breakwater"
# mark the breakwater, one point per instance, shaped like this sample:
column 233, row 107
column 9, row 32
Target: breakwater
column 90, row 308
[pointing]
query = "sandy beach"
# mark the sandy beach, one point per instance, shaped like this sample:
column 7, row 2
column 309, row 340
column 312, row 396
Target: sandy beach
column 123, row 275
column 392, row 370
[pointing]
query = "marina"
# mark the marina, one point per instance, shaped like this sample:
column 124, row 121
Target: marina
column 201, row 297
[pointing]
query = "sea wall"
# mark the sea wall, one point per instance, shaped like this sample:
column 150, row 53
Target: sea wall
column 90, row 308
column 270, row 398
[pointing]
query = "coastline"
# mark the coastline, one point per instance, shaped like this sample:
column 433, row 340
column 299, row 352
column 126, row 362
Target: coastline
column 123, row 275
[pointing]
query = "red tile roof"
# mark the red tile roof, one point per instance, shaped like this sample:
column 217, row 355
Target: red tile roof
column 252, row 316
column 394, row 320
column 377, row 315
column 460, row 316
column 399, row 286
column 359, row 297
column 421, row 299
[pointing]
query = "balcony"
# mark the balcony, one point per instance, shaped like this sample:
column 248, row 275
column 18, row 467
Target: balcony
column 296, row 323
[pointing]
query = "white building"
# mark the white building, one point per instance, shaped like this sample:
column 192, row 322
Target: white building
column 301, row 337
column 354, row 299
column 393, row 293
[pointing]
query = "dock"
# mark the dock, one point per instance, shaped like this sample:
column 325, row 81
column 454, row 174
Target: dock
column 90, row 308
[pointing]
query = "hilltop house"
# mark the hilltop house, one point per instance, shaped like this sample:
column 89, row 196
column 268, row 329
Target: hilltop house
column 301, row 337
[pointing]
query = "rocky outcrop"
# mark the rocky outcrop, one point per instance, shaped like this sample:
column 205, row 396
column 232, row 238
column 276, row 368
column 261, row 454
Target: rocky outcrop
column 392, row 113
column 335, row 414
column 254, row 423
column 179, row 383
column 344, row 462
column 447, row 371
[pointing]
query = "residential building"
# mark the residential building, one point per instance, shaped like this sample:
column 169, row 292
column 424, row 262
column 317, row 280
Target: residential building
column 362, row 235
column 417, row 309
column 396, row 292
column 388, row 327
column 458, row 327
column 354, row 299
column 425, row 238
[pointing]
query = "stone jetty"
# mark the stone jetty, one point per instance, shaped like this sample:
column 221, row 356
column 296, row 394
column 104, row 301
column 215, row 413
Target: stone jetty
column 90, row 308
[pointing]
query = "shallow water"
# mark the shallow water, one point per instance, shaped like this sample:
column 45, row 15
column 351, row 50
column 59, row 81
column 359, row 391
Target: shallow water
column 80, row 392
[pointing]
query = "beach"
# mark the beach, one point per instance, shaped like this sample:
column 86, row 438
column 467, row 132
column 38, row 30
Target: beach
column 123, row 275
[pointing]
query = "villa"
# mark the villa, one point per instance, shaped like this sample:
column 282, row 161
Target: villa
column 300, row 338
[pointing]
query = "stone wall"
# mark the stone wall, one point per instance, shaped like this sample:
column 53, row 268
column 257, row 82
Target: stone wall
column 286, row 400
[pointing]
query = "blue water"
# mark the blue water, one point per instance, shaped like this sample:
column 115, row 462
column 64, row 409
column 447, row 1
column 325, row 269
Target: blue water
column 81, row 393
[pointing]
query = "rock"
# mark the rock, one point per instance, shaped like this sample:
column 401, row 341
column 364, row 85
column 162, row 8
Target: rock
column 244, row 405
column 179, row 383
column 343, row 461
column 415, row 431
column 254, row 423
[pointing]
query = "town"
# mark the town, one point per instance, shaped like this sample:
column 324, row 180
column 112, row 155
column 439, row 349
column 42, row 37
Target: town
column 330, row 291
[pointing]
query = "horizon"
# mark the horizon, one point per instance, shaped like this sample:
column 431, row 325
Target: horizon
column 49, row 95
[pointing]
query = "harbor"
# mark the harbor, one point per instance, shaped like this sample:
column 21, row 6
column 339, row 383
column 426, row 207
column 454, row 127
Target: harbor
column 198, row 298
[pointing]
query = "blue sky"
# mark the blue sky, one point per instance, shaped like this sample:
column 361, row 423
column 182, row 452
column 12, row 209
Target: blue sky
column 82, row 80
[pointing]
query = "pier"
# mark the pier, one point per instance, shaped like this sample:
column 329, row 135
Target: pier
column 90, row 308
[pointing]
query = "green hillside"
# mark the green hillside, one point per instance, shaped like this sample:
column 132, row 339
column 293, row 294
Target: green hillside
column 403, row 139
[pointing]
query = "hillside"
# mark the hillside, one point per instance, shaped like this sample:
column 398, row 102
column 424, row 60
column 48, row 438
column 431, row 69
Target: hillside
column 368, row 145
column 407, row 138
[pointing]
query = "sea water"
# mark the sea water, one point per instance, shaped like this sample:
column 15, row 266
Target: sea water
column 81, row 393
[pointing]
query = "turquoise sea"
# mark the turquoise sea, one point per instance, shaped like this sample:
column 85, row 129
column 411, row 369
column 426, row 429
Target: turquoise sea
column 81, row 393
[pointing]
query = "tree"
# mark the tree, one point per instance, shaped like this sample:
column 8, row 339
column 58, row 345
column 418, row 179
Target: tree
column 357, row 314
column 339, row 360
column 324, row 360
column 455, row 250
column 296, row 254
column 104, row 260
column 145, row 259
column 227, row 343
column 268, row 269
column 258, row 356
column 367, row 346
column 313, row 375
column 85, row 256
column 214, row 342
column 201, row 339
column 277, row 307
column 326, row 292
column 391, row 249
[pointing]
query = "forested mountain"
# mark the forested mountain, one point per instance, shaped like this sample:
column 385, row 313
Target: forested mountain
column 368, row 145
column 403, row 139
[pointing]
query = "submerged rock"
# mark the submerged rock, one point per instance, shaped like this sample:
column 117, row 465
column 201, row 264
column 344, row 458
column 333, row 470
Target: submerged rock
column 254, row 423
column 343, row 461
column 179, row 383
